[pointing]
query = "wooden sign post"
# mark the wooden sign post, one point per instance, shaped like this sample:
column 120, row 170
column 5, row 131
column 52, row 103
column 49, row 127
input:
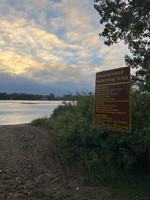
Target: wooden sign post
column 113, row 99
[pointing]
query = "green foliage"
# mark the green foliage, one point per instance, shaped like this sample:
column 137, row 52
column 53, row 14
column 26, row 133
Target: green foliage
column 51, row 96
column 19, row 96
column 23, row 96
column 129, row 21
column 85, row 144
column 43, row 122
column 61, row 109
column 114, row 159
column 80, row 137
column 140, row 109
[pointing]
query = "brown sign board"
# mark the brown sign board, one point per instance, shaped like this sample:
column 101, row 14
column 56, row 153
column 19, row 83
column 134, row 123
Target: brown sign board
column 113, row 99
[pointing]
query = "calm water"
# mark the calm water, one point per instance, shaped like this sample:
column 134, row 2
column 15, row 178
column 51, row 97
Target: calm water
column 18, row 112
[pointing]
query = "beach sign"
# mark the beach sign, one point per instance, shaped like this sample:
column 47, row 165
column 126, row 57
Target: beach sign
column 113, row 99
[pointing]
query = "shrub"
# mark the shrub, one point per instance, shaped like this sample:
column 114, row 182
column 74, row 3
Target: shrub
column 43, row 122
column 106, row 157
column 86, row 143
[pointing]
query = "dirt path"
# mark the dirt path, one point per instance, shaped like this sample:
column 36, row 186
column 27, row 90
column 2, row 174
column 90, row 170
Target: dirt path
column 30, row 168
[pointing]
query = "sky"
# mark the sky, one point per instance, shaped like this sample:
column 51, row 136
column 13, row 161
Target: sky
column 53, row 46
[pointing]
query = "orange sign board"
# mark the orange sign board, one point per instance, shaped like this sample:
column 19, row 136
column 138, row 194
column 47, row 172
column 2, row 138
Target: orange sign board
column 113, row 99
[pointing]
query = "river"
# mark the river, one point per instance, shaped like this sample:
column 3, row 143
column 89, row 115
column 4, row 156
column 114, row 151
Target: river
column 18, row 112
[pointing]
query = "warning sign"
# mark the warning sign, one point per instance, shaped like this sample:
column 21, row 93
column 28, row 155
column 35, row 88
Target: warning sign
column 113, row 99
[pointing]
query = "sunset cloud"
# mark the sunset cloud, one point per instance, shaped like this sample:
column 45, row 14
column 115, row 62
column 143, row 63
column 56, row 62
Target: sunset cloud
column 53, row 43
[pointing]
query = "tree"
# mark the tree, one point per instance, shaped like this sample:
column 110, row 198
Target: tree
column 51, row 96
column 129, row 20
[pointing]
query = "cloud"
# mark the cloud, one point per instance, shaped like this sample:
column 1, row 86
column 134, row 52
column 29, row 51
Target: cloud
column 27, row 38
column 54, row 43
column 45, row 82
column 41, row 72
column 113, row 56
column 77, row 21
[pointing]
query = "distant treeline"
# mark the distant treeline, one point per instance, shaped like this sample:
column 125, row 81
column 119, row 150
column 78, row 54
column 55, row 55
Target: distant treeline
column 23, row 96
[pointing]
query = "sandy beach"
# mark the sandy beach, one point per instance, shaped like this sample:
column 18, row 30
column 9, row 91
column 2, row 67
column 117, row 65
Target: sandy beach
column 32, row 168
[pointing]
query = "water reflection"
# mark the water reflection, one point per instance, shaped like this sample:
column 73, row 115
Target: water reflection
column 18, row 112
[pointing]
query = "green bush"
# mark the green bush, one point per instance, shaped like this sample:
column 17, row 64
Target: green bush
column 43, row 122
column 84, row 143
column 106, row 157
column 80, row 137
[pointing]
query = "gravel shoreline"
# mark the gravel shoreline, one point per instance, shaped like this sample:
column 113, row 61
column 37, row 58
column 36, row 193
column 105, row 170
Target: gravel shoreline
column 31, row 168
